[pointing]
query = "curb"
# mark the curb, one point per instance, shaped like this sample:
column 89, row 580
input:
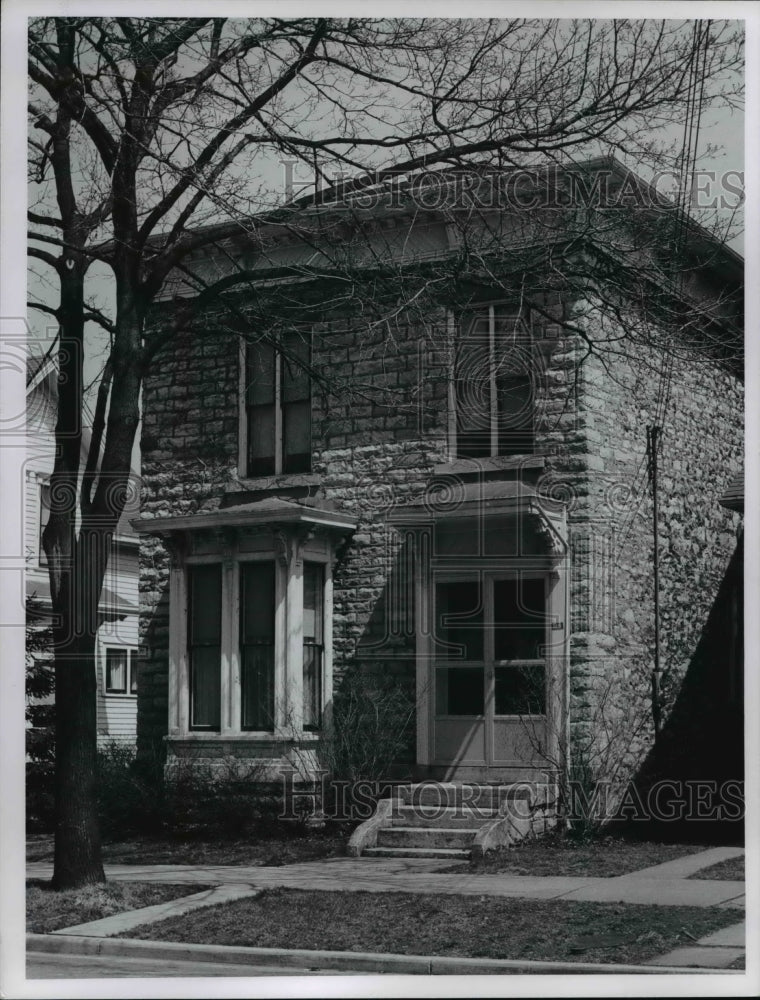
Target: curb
column 355, row 961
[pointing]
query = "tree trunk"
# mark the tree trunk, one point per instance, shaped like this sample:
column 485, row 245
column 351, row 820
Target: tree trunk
column 77, row 837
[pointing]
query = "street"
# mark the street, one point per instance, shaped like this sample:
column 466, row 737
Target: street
column 49, row 966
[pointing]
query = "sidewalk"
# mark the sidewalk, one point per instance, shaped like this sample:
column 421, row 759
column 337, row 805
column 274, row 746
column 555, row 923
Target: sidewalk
column 662, row 885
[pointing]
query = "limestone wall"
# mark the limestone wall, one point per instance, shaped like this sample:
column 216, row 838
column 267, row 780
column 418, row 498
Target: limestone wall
column 380, row 428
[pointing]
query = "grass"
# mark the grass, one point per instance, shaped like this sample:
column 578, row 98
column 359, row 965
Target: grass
column 279, row 848
column 559, row 854
column 47, row 910
column 477, row 927
column 731, row 868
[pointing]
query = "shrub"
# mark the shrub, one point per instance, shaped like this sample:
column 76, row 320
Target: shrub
column 371, row 728
column 40, row 718
column 188, row 798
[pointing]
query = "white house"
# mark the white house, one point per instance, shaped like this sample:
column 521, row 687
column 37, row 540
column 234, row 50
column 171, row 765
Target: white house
column 116, row 644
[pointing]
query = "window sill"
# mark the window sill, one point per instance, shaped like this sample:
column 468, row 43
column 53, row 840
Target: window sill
column 205, row 736
column 496, row 463
column 285, row 481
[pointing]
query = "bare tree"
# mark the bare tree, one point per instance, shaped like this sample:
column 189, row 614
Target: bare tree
column 152, row 139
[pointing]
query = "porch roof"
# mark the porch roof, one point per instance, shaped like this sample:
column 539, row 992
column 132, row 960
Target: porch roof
column 270, row 511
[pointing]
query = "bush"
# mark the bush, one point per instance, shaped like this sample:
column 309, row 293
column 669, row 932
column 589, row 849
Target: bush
column 40, row 719
column 371, row 729
column 188, row 799
column 227, row 799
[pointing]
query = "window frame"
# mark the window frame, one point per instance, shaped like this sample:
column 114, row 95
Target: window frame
column 280, row 408
column 288, row 664
column 458, row 338
column 130, row 673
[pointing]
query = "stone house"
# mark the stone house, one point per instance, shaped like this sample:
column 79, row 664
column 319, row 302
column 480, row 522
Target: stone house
column 452, row 502
column 116, row 642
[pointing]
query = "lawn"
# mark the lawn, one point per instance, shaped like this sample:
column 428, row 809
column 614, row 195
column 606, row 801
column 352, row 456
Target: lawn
column 731, row 868
column 476, row 927
column 558, row 854
column 47, row 910
column 283, row 849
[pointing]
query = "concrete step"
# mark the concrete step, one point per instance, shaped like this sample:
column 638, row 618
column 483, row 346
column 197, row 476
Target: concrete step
column 433, row 793
column 451, row 853
column 434, row 837
column 448, row 817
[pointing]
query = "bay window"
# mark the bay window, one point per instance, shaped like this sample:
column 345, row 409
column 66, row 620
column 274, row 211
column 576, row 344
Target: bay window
column 257, row 645
column 253, row 656
column 250, row 604
column 313, row 646
column 204, row 645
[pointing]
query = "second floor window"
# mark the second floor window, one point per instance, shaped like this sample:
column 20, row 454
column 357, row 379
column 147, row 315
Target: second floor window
column 493, row 385
column 278, row 407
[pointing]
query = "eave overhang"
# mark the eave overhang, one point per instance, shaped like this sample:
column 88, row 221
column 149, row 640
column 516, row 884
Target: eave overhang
column 274, row 513
column 485, row 501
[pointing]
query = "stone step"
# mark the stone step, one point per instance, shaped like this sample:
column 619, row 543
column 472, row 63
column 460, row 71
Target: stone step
column 449, row 817
column 450, row 853
column 433, row 793
column 432, row 837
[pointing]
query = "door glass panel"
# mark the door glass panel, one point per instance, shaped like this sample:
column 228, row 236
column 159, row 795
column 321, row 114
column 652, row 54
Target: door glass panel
column 459, row 690
column 519, row 619
column 519, row 690
column 459, row 620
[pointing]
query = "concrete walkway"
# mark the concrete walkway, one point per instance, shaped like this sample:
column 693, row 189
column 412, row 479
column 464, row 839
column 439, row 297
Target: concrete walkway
column 662, row 885
column 428, row 876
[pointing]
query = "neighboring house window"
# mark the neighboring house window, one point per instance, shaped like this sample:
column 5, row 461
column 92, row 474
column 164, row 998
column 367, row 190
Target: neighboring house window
column 278, row 407
column 44, row 518
column 493, row 391
column 121, row 670
column 255, row 642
